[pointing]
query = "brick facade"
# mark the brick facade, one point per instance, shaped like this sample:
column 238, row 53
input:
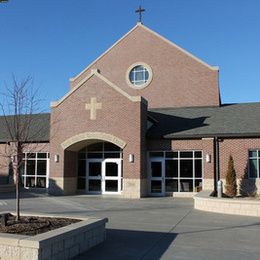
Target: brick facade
column 179, row 80
column 101, row 106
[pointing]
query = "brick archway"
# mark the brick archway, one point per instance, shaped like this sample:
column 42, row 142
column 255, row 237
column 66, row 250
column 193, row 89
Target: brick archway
column 93, row 136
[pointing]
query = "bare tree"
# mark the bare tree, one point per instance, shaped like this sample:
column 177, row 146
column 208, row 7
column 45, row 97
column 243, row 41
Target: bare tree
column 19, row 105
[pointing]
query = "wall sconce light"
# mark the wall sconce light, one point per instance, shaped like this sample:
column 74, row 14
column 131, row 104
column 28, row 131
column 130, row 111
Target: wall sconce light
column 131, row 158
column 56, row 158
column 208, row 158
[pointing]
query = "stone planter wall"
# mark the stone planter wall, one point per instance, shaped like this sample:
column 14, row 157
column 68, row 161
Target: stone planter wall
column 245, row 207
column 63, row 243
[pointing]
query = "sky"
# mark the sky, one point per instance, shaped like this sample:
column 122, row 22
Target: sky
column 52, row 41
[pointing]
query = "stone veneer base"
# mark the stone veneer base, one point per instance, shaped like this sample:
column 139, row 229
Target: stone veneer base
column 244, row 207
column 63, row 243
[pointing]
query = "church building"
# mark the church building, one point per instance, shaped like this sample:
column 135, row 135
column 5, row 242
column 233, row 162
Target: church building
column 144, row 119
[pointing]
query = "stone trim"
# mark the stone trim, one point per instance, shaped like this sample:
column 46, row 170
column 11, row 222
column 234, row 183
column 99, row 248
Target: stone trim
column 95, row 72
column 93, row 135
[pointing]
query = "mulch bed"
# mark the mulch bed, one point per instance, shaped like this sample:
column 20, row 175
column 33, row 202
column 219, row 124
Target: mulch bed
column 30, row 225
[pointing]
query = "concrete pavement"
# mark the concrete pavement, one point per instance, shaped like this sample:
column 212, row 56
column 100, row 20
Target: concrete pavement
column 153, row 228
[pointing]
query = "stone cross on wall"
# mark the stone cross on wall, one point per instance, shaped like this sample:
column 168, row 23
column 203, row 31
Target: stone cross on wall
column 93, row 106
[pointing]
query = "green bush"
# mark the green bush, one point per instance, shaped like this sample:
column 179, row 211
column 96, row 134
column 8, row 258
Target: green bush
column 231, row 179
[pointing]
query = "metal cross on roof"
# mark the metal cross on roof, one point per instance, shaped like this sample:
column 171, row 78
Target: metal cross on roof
column 140, row 10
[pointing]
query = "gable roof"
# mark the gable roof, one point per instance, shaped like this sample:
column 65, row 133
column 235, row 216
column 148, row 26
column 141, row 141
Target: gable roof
column 229, row 120
column 154, row 33
column 39, row 130
column 95, row 72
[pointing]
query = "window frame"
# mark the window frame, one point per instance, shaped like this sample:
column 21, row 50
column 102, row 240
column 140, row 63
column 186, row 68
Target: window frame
column 257, row 158
column 163, row 154
column 145, row 84
column 35, row 158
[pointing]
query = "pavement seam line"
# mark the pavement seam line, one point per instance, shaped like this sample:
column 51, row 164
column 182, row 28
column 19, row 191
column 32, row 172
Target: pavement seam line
column 164, row 235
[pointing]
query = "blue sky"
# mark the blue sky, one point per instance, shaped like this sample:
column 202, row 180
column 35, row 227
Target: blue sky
column 54, row 40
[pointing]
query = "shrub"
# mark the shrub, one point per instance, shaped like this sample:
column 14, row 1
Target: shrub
column 231, row 180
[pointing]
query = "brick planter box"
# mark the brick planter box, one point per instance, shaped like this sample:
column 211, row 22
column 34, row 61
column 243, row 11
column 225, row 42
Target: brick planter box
column 244, row 207
column 63, row 243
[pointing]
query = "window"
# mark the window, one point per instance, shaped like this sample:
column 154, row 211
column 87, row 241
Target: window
column 139, row 75
column 254, row 164
column 35, row 170
column 183, row 170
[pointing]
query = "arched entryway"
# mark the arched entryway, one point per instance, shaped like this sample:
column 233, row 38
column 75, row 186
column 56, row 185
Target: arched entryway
column 100, row 168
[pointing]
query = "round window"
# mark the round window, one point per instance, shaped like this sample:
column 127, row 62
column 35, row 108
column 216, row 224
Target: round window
column 139, row 75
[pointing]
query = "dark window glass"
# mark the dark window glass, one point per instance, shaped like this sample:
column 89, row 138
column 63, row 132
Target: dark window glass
column 41, row 182
column 111, row 169
column 82, row 156
column 186, row 155
column 81, row 168
column 252, row 153
column 30, row 167
column 186, row 168
column 198, row 168
column 111, row 185
column 95, row 155
column 156, row 154
column 171, row 154
column 253, row 168
column 171, row 168
column 198, row 154
column 156, row 186
column 111, row 155
column 97, row 147
column 41, row 167
column 171, row 185
column 156, row 169
column 111, row 147
column 30, row 182
column 81, row 183
column 31, row 155
column 94, row 185
column 94, row 169
column 42, row 155
column 186, row 185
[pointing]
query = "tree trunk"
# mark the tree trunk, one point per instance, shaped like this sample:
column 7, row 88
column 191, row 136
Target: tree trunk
column 19, row 159
column 17, row 193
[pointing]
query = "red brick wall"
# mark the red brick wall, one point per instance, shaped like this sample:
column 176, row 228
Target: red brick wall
column 238, row 148
column 119, row 117
column 4, row 150
column 178, row 79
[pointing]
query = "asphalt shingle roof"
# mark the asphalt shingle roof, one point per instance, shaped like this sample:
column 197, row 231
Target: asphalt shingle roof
column 229, row 120
column 38, row 131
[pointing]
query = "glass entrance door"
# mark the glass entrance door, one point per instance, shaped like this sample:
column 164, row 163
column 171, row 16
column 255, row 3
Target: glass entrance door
column 94, row 176
column 157, row 180
column 111, row 176
column 103, row 176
